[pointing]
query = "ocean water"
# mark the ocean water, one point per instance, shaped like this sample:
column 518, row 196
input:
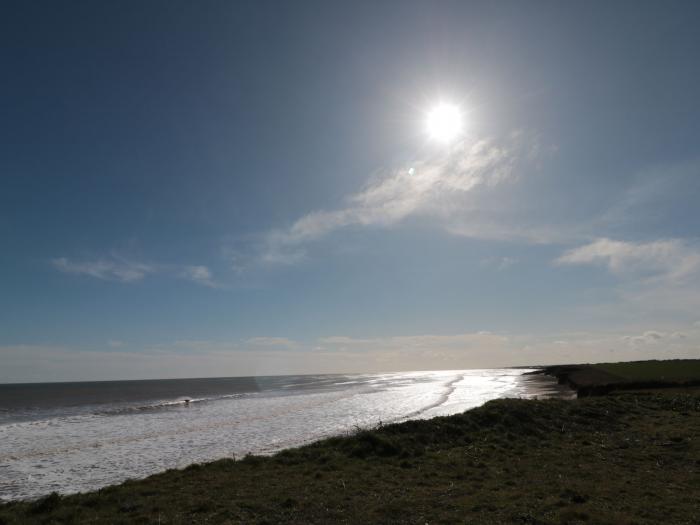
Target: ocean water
column 75, row 437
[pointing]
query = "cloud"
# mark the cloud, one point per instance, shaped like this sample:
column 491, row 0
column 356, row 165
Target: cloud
column 658, row 279
column 272, row 342
column 440, row 188
column 672, row 260
column 646, row 338
column 114, row 269
column 200, row 275
column 651, row 337
column 120, row 269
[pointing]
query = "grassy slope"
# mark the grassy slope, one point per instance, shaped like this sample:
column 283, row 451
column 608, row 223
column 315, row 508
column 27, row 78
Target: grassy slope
column 603, row 378
column 675, row 370
column 628, row 458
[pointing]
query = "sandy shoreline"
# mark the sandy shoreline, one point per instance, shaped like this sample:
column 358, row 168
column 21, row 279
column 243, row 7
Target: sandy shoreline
column 542, row 386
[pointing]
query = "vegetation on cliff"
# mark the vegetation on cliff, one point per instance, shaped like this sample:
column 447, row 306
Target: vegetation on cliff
column 603, row 378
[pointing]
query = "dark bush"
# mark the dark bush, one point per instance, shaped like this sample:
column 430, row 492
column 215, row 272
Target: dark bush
column 47, row 503
column 369, row 443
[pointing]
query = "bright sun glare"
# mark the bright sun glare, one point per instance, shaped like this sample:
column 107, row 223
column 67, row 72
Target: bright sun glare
column 444, row 122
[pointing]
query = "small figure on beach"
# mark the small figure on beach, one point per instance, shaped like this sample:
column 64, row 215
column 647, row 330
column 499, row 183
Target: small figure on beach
column 187, row 402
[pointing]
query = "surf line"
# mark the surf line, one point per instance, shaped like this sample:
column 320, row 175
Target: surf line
column 444, row 396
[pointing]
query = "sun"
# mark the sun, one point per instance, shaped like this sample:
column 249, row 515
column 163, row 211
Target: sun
column 444, row 122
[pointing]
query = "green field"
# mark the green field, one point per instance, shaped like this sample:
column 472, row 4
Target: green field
column 675, row 370
column 631, row 458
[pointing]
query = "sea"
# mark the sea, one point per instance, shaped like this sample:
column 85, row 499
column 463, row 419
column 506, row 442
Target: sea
column 77, row 437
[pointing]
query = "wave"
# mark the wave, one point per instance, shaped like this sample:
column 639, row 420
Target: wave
column 180, row 402
column 449, row 387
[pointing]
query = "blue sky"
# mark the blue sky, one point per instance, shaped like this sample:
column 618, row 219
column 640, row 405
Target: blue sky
column 220, row 188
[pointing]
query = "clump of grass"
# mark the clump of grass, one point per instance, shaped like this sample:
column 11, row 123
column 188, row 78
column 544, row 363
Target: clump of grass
column 46, row 504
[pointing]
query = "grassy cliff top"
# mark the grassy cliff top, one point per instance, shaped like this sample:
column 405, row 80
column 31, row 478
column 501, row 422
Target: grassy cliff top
column 603, row 378
column 680, row 370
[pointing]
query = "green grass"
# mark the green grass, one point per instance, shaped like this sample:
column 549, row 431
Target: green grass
column 618, row 459
column 673, row 370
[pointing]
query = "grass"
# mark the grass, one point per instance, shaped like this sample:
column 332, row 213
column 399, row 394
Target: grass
column 619, row 459
column 603, row 378
column 678, row 370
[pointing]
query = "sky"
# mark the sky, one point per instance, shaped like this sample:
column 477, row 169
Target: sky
column 192, row 189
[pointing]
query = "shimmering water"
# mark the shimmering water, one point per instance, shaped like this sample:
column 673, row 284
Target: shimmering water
column 75, row 437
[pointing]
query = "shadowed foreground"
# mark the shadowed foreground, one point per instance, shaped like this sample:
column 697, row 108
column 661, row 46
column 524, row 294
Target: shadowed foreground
column 627, row 458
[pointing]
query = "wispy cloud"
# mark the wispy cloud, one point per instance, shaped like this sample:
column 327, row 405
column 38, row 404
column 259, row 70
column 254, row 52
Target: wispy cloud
column 116, row 268
column 438, row 188
column 113, row 269
column 668, row 259
column 651, row 337
column 648, row 337
column 200, row 275
column 658, row 279
column 488, row 189
column 272, row 342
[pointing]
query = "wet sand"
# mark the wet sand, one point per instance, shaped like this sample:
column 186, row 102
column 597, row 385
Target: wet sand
column 542, row 386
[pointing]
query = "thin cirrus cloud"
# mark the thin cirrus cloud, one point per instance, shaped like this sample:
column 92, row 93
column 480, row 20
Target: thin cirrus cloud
column 438, row 188
column 670, row 260
column 106, row 269
column 200, row 275
column 272, row 342
column 654, row 337
column 123, row 270
column 657, row 280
